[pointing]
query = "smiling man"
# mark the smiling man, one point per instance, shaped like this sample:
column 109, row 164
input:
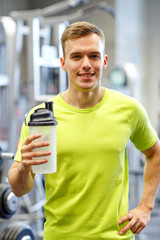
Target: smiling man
column 84, row 60
column 87, row 198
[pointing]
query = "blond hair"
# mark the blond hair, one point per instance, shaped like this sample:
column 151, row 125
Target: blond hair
column 80, row 29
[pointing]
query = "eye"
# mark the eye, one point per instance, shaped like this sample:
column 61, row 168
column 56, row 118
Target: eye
column 95, row 56
column 76, row 57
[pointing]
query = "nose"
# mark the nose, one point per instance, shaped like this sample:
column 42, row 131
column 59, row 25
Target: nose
column 86, row 63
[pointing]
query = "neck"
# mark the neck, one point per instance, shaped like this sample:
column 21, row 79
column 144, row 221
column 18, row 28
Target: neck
column 83, row 99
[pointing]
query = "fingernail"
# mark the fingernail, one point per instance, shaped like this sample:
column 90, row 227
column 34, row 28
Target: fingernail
column 130, row 215
column 38, row 134
column 120, row 233
column 120, row 221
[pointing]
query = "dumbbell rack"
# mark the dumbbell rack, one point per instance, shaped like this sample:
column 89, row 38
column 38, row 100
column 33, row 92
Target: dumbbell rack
column 18, row 216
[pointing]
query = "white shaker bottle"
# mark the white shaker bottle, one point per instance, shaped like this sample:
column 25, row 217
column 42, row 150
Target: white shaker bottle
column 43, row 121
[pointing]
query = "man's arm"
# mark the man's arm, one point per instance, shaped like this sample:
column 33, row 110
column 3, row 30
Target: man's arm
column 21, row 180
column 140, row 216
column 20, row 175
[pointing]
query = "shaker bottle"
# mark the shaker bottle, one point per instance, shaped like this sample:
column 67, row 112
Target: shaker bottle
column 43, row 121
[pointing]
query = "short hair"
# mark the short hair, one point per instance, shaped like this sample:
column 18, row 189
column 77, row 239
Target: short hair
column 80, row 29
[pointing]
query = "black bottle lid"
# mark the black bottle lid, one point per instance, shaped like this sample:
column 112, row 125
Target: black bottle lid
column 43, row 116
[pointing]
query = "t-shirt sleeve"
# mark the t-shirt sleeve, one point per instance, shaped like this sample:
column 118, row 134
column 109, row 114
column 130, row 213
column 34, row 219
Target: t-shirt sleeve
column 143, row 135
column 23, row 136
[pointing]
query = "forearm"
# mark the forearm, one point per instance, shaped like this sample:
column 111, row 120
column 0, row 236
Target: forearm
column 139, row 217
column 151, row 178
column 21, row 181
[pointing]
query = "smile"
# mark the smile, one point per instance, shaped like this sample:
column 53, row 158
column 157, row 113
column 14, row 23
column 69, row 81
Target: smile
column 86, row 74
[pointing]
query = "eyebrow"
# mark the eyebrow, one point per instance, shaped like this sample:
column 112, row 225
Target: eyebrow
column 92, row 52
column 75, row 53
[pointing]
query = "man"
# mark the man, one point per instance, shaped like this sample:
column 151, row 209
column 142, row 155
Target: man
column 88, row 196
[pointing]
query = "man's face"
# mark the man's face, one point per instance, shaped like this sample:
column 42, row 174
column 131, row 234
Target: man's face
column 84, row 61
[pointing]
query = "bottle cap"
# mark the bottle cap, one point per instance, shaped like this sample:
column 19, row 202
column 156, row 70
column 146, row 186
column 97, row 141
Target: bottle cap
column 43, row 116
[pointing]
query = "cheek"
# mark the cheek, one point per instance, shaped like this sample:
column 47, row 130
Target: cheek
column 99, row 67
column 73, row 67
column 72, row 71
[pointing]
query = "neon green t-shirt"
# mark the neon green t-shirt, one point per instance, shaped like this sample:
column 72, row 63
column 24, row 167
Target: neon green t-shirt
column 88, row 194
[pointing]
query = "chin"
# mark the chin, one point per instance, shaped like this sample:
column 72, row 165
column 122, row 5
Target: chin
column 87, row 88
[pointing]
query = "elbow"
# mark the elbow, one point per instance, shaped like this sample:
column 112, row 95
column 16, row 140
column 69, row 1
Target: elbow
column 18, row 192
column 20, row 183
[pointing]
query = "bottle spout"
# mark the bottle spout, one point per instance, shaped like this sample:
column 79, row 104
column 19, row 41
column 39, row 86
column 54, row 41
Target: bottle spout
column 49, row 106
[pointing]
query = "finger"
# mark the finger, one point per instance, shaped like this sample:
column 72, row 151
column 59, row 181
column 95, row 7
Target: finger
column 33, row 145
column 34, row 162
column 32, row 137
column 126, row 218
column 30, row 155
column 127, row 227
column 139, row 230
column 138, row 227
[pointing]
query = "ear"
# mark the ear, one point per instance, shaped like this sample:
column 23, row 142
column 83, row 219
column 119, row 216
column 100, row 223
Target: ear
column 105, row 63
column 62, row 60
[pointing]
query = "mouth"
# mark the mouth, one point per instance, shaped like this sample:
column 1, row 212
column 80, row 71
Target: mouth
column 86, row 75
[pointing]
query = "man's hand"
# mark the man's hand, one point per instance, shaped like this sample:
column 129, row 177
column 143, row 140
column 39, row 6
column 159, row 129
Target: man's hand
column 20, row 175
column 138, row 218
column 28, row 152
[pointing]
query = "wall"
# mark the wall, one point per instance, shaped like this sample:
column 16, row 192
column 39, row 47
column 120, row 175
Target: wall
column 152, row 53
column 137, row 42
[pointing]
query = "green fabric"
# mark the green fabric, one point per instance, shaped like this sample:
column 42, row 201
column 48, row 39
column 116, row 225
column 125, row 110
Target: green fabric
column 89, row 193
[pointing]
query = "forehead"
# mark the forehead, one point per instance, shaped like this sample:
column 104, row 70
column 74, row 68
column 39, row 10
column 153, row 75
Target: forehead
column 89, row 43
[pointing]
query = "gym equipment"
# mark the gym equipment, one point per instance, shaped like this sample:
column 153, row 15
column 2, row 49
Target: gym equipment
column 18, row 231
column 8, row 201
column 5, row 156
